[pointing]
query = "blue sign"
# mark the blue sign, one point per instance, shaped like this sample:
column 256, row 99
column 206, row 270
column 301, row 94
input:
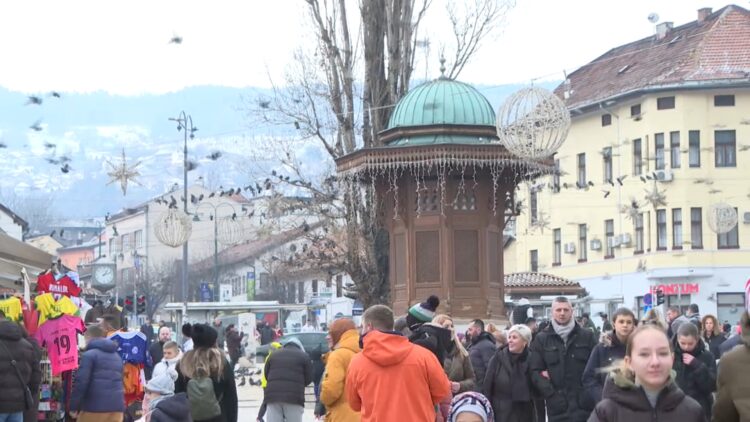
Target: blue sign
column 206, row 293
column 646, row 308
column 357, row 308
column 648, row 299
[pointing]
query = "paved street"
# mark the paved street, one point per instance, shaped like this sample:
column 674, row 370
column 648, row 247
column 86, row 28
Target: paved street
column 250, row 398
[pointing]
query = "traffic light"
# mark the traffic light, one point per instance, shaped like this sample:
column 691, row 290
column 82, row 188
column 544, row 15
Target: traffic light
column 128, row 304
column 659, row 297
column 141, row 305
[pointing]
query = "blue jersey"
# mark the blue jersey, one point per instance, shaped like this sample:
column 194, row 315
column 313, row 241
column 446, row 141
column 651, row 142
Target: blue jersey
column 132, row 347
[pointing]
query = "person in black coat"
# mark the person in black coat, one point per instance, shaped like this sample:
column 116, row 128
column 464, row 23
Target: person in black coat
column 508, row 383
column 205, row 355
column 695, row 367
column 156, row 350
column 288, row 371
column 481, row 350
column 26, row 356
column 611, row 348
column 558, row 358
column 712, row 335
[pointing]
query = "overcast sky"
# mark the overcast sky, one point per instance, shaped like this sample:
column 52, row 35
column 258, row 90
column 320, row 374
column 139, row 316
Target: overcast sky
column 123, row 47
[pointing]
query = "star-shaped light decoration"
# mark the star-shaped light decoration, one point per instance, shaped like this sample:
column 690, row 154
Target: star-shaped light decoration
column 123, row 173
column 541, row 222
column 631, row 210
column 655, row 197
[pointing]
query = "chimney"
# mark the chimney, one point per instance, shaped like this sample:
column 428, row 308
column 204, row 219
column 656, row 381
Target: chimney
column 662, row 30
column 703, row 14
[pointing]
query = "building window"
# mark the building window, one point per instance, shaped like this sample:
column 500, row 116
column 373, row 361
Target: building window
column 606, row 119
column 680, row 301
column 138, row 238
column 582, row 243
column 637, row 157
column 677, row 228
column 725, row 147
column 696, row 228
column 609, row 230
column 533, row 205
column 664, row 103
column 638, row 223
column 556, row 178
column 659, row 150
column 723, row 101
column 607, row 157
column 694, row 152
column 534, row 259
column 557, row 247
column 729, row 240
column 582, row 170
column 729, row 307
column 635, row 110
column 112, row 248
column 674, row 149
column 661, row 230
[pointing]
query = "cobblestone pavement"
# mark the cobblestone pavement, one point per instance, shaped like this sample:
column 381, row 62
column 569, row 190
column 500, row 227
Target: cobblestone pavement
column 250, row 398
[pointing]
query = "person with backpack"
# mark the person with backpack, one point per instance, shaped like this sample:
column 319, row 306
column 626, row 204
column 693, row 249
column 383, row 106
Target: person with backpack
column 204, row 373
column 288, row 372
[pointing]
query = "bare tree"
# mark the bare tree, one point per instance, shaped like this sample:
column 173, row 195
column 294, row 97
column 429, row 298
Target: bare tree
column 323, row 102
column 155, row 283
column 35, row 209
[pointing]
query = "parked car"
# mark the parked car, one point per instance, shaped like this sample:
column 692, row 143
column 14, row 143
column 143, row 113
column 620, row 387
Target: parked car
column 315, row 344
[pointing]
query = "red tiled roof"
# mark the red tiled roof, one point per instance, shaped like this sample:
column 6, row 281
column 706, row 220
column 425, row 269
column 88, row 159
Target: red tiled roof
column 529, row 279
column 697, row 53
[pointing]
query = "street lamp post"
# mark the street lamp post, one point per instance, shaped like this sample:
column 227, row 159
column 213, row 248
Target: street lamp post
column 216, row 238
column 185, row 121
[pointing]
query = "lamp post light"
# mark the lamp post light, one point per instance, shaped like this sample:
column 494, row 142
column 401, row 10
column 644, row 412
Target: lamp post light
column 185, row 125
column 229, row 232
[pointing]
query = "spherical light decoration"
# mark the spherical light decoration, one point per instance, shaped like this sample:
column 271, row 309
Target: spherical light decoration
column 173, row 228
column 722, row 218
column 533, row 123
column 229, row 231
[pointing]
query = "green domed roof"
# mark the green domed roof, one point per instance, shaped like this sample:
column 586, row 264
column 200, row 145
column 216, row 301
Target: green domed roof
column 443, row 102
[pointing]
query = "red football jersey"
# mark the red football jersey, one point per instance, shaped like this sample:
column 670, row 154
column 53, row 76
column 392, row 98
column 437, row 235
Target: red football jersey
column 46, row 283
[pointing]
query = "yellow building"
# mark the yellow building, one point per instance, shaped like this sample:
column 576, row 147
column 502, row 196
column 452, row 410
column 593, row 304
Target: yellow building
column 660, row 133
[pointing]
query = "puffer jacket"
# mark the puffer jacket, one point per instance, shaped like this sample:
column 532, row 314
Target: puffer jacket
column 173, row 409
column 288, row 371
column 609, row 350
column 98, row 387
column 733, row 394
column 458, row 368
column 624, row 401
column 333, row 386
column 697, row 380
column 12, row 390
column 563, row 391
column 511, row 395
column 481, row 351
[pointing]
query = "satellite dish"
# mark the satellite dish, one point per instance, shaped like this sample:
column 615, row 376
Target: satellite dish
column 653, row 18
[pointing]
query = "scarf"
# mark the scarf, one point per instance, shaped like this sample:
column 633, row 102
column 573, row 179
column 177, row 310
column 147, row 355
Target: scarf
column 564, row 330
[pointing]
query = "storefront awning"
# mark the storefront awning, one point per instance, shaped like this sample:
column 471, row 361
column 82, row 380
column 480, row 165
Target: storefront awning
column 15, row 255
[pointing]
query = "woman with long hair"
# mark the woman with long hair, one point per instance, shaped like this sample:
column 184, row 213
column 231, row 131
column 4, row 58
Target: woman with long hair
column 457, row 364
column 207, row 377
column 712, row 335
column 641, row 387
column 508, row 381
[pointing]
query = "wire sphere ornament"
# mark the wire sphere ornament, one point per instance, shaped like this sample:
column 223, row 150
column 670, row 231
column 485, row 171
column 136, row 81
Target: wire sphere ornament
column 533, row 123
column 173, row 228
column 722, row 218
column 229, row 231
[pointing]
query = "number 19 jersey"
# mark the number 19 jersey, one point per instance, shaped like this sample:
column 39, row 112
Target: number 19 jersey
column 60, row 337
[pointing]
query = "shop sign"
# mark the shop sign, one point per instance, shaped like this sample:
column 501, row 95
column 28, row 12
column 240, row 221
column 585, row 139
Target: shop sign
column 677, row 288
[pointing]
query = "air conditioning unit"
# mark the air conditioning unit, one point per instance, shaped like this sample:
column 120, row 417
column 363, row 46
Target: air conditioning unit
column 570, row 247
column 625, row 239
column 613, row 242
column 664, row 175
column 596, row 245
column 746, row 218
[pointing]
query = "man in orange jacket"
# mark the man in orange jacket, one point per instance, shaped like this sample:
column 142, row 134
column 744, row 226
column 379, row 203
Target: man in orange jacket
column 393, row 379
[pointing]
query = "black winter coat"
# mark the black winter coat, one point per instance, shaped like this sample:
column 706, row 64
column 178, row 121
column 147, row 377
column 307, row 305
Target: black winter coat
column 12, row 390
column 565, row 362
column 697, row 380
column 157, row 354
column 714, row 344
column 436, row 339
column 173, row 409
column 623, row 401
column 225, row 388
column 481, row 351
column 609, row 350
column 502, row 383
column 288, row 371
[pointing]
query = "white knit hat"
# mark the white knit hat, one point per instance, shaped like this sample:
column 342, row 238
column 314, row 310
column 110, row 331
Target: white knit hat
column 522, row 330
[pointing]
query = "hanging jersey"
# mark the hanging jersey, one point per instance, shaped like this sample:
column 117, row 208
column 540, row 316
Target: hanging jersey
column 132, row 346
column 48, row 307
column 60, row 337
column 46, row 283
column 12, row 309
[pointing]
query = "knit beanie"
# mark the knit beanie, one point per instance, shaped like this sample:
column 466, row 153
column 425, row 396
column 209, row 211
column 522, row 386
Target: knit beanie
column 204, row 336
column 162, row 384
column 522, row 330
column 339, row 327
column 423, row 312
column 471, row 402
